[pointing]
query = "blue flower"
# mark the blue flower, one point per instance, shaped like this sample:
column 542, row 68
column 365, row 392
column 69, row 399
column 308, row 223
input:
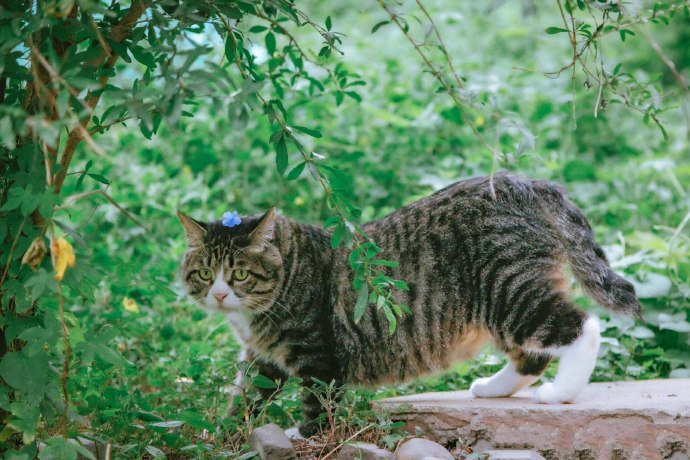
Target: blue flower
column 231, row 219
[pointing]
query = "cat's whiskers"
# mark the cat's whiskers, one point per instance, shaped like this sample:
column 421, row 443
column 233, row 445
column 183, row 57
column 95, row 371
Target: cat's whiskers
column 265, row 308
column 254, row 306
column 273, row 301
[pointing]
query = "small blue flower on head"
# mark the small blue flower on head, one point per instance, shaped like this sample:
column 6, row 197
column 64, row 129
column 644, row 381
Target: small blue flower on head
column 231, row 219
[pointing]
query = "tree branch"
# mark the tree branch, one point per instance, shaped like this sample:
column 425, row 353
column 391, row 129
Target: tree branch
column 110, row 199
column 105, row 60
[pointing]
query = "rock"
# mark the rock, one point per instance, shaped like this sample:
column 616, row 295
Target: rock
column 270, row 443
column 512, row 454
column 420, row 448
column 624, row 420
column 364, row 451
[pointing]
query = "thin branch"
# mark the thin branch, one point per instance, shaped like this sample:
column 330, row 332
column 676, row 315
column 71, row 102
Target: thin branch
column 101, row 128
column 439, row 77
column 458, row 80
column 78, row 196
column 117, row 34
column 572, row 35
column 346, row 441
column 12, row 248
column 680, row 79
column 99, row 37
column 89, row 140
column 287, row 33
column 65, row 362
column 56, row 76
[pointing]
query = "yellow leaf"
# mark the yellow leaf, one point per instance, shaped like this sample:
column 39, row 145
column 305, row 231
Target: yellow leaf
column 63, row 256
column 480, row 121
column 130, row 305
column 35, row 254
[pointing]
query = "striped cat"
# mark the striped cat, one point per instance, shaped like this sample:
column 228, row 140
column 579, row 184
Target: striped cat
column 481, row 267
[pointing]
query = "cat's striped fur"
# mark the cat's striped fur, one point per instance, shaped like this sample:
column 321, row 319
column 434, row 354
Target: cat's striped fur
column 481, row 267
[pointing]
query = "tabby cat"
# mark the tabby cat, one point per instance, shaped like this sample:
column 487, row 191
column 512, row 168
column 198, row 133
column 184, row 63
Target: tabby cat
column 483, row 259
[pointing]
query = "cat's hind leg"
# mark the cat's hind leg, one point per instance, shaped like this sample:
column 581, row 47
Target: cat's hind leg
column 523, row 369
column 577, row 361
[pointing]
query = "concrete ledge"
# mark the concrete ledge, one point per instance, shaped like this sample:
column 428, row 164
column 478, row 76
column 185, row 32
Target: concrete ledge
column 616, row 420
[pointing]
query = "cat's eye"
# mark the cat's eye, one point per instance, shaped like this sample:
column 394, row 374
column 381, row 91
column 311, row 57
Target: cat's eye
column 240, row 274
column 206, row 274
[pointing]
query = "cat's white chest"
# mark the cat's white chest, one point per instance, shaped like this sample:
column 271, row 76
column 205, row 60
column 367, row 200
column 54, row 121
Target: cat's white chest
column 240, row 324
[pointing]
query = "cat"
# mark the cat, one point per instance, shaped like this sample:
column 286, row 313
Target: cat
column 483, row 259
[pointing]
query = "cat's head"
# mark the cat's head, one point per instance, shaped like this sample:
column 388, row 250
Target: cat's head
column 232, row 268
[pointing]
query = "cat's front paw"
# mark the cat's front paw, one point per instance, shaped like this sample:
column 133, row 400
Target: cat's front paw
column 549, row 393
column 484, row 388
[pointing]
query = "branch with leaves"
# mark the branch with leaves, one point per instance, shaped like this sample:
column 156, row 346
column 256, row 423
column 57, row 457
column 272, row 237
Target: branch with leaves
column 61, row 78
column 586, row 35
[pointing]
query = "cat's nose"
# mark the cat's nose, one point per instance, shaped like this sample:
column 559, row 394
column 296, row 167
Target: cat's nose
column 220, row 297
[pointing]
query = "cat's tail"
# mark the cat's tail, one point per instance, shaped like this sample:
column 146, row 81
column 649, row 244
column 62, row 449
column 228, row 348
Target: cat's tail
column 587, row 259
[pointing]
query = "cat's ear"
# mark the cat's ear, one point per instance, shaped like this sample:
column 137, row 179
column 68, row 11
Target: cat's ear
column 264, row 232
column 194, row 229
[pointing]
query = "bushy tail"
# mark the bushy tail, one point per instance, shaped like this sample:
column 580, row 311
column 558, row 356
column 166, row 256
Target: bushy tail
column 587, row 259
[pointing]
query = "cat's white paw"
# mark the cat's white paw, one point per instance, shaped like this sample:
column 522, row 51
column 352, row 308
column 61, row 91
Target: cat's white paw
column 549, row 393
column 293, row 433
column 485, row 388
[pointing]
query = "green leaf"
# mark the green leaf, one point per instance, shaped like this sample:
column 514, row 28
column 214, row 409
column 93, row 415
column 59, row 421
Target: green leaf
column 555, row 30
column 120, row 50
column 99, row 178
column 379, row 25
column 28, row 373
column 296, row 171
column 41, row 282
column 624, row 32
column 400, row 284
column 362, row 301
column 384, row 263
column 264, row 383
column 168, row 424
column 58, row 448
column 281, row 155
column 329, row 23
column 392, row 322
column 270, row 43
column 196, row 420
column 104, row 353
column 143, row 56
column 331, row 221
column 354, row 95
column 148, row 416
column 230, row 50
column 337, row 236
column 26, row 416
column 62, row 102
column 312, row 132
column 275, row 136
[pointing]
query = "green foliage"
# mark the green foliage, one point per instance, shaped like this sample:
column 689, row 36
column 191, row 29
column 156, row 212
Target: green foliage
column 115, row 114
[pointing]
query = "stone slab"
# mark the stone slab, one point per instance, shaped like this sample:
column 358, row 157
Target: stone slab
column 419, row 448
column 271, row 443
column 622, row 420
column 364, row 451
column 512, row 454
